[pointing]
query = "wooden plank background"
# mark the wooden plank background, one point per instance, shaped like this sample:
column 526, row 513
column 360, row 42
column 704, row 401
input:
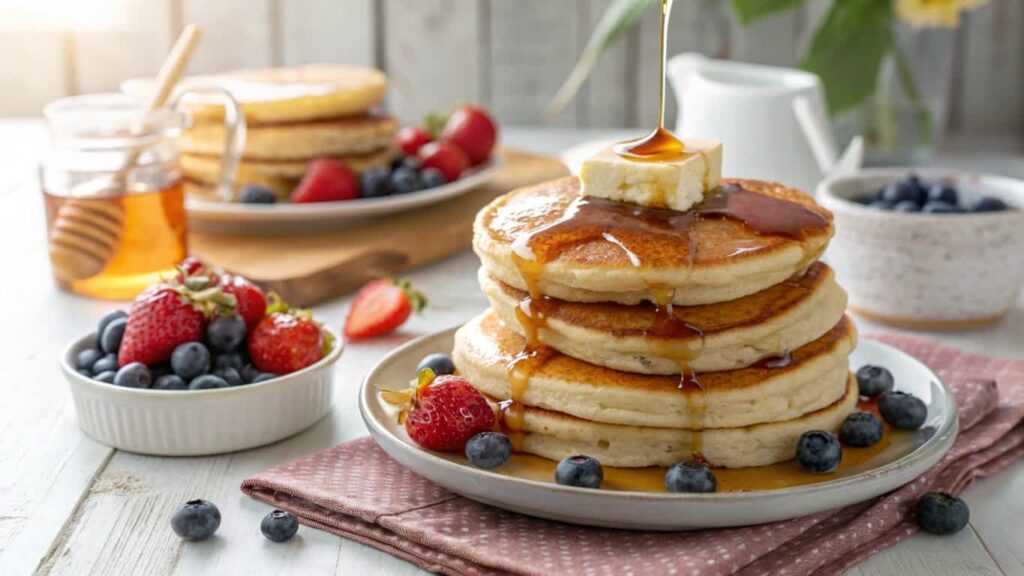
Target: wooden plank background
column 510, row 55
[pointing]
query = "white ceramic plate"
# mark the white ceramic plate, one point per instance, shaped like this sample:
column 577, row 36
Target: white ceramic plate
column 899, row 464
column 237, row 218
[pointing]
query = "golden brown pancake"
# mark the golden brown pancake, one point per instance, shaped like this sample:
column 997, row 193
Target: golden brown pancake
column 639, row 253
column 815, row 377
column 708, row 337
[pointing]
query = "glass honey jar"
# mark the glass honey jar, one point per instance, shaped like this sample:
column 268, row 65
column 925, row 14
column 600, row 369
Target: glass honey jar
column 114, row 194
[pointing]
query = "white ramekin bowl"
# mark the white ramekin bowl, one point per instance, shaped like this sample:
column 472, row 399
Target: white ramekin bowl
column 927, row 271
column 200, row 422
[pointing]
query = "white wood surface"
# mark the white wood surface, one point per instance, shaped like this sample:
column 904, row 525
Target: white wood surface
column 71, row 506
column 508, row 54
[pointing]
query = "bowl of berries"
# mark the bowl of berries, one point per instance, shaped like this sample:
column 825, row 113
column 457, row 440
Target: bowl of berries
column 445, row 157
column 927, row 248
column 202, row 363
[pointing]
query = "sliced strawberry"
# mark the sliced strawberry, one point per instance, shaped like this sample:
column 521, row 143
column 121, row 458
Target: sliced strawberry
column 380, row 307
column 167, row 315
column 285, row 342
column 251, row 303
column 442, row 413
column 326, row 180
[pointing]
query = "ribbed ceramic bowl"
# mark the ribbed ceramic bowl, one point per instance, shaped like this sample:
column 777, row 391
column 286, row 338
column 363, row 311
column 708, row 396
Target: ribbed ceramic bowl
column 200, row 422
column 927, row 271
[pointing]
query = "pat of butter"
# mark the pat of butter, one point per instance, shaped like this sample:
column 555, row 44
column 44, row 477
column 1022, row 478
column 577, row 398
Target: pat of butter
column 673, row 184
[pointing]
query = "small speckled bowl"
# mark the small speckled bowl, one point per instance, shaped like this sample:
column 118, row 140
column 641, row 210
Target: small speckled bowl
column 927, row 271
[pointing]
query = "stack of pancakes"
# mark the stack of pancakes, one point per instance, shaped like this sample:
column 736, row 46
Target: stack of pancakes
column 293, row 116
column 645, row 337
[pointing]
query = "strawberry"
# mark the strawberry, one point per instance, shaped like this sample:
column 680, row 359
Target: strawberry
column 410, row 139
column 442, row 413
column 326, row 180
column 167, row 315
column 191, row 266
column 287, row 340
column 445, row 157
column 252, row 305
column 380, row 307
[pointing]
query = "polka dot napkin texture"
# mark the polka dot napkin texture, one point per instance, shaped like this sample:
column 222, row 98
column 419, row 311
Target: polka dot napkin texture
column 356, row 491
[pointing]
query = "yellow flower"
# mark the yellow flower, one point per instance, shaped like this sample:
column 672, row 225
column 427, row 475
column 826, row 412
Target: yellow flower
column 935, row 12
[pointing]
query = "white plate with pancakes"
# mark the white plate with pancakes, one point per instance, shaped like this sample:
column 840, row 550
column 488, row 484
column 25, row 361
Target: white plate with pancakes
column 236, row 218
column 521, row 486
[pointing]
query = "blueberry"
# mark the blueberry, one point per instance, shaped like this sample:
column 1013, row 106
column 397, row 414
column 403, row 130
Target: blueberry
column 989, row 204
column 110, row 339
column 432, row 178
column 263, row 377
column 134, row 375
column 579, row 470
column 229, row 360
column 190, row 360
column 229, row 375
column 818, row 451
column 409, row 162
column 86, row 359
column 690, row 477
column 903, row 411
column 941, row 513
column 374, row 183
column 896, row 192
column 170, row 382
column 881, row 205
column 943, row 193
column 279, row 526
column 439, row 364
column 84, row 372
column 256, row 194
column 488, row 449
column 107, row 319
column 196, row 520
column 405, row 180
column 106, row 377
column 906, row 206
column 226, row 333
column 249, row 373
column 860, row 430
column 939, row 207
column 874, row 380
column 207, row 382
column 106, row 364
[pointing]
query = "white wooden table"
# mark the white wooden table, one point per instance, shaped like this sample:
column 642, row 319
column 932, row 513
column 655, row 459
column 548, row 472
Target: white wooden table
column 69, row 505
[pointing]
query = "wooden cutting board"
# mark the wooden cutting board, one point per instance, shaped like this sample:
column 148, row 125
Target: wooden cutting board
column 309, row 269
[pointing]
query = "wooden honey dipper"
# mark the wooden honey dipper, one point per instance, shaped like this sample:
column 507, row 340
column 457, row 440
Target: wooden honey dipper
column 87, row 231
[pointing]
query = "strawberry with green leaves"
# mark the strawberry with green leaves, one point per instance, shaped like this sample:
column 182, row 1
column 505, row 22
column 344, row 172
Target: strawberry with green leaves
column 169, row 314
column 287, row 340
column 441, row 413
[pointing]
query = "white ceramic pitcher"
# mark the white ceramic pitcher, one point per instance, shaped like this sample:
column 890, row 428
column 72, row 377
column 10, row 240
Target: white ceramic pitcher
column 771, row 121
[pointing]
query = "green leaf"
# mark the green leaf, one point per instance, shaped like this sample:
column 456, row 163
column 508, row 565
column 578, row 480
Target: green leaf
column 847, row 50
column 619, row 18
column 750, row 10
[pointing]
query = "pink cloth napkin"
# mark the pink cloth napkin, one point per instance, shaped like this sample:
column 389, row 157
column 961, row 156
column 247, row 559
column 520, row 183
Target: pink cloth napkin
column 356, row 491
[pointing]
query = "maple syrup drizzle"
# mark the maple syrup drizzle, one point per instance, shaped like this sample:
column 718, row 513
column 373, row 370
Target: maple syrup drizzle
column 775, row 476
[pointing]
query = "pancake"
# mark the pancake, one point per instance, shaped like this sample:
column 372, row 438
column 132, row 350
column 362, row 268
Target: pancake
column 347, row 135
column 282, row 94
column 554, row 435
column 815, row 378
column 628, row 254
column 724, row 336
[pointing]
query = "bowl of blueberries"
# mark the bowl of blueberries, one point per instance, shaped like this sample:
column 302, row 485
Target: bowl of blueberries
column 927, row 248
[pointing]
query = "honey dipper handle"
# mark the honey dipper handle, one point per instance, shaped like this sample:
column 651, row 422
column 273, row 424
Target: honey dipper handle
column 174, row 65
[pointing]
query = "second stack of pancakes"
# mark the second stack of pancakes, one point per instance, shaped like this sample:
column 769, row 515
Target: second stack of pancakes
column 644, row 337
